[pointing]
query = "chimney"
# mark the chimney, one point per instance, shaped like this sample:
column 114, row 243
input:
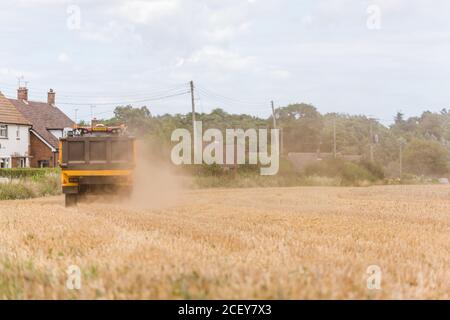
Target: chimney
column 22, row 93
column 51, row 97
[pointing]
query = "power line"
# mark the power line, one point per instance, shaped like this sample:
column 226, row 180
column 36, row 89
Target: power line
column 224, row 103
column 126, row 102
column 161, row 94
column 128, row 94
column 93, row 94
column 211, row 93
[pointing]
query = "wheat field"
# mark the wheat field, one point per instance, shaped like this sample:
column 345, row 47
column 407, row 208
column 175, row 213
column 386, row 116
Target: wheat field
column 280, row 243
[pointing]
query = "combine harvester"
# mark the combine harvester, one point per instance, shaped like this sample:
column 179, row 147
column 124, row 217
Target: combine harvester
column 96, row 160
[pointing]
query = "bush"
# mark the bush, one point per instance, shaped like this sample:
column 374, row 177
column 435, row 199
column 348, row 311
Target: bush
column 286, row 167
column 349, row 173
column 374, row 168
column 325, row 168
column 11, row 191
column 30, row 183
column 423, row 157
column 213, row 170
column 49, row 185
column 19, row 173
column 354, row 174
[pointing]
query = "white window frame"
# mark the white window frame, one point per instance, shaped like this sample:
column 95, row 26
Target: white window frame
column 41, row 162
column 5, row 162
column 3, row 131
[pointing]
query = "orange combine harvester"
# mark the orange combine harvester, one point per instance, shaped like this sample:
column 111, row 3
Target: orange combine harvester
column 97, row 159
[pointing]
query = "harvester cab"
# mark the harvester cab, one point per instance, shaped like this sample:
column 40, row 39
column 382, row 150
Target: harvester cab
column 98, row 160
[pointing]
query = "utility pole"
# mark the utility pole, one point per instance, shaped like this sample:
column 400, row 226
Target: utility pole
column 401, row 161
column 334, row 138
column 275, row 126
column 273, row 115
column 401, row 143
column 198, row 145
column 371, row 141
column 193, row 107
column 76, row 116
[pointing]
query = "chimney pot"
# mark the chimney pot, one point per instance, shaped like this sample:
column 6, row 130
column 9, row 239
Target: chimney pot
column 51, row 96
column 22, row 93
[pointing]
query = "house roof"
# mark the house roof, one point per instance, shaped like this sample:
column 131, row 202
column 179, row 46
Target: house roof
column 9, row 113
column 43, row 118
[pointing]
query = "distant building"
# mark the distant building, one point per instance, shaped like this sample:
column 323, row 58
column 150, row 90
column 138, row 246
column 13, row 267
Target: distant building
column 30, row 131
column 14, row 136
column 48, row 124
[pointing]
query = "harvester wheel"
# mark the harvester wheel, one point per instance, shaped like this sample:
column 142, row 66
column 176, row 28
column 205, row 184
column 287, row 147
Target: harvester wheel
column 71, row 200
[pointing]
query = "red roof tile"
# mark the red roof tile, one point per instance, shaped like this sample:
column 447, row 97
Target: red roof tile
column 9, row 113
column 43, row 117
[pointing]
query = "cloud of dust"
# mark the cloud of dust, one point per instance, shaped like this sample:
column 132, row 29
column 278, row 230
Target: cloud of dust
column 155, row 183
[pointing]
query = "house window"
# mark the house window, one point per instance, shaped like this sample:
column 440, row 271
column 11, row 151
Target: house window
column 4, row 162
column 43, row 164
column 3, row 131
column 18, row 133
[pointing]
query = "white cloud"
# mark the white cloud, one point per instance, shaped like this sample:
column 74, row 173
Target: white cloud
column 307, row 20
column 110, row 32
column 219, row 58
column 42, row 2
column 179, row 62
column 281, row 74
column 236, row 44
column 63, row 57
column 144, row 12
column 221, row 34
column 12, row 72
column 227, row 32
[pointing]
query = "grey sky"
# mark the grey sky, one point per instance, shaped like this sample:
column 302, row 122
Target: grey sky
column 320, row 52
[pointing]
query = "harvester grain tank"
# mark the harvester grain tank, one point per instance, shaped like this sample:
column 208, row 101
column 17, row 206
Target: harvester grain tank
column 96, row 159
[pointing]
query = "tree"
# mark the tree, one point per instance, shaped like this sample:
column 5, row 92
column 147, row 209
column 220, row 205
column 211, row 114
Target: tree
column 302, row 125
column 138, row 120
column 430, row 125
column 398, row 119
column 424, row 157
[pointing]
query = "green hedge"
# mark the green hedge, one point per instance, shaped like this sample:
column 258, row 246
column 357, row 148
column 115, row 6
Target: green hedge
column 350, row 172
column 30, row 188
column 14, row 191
column 18, row 173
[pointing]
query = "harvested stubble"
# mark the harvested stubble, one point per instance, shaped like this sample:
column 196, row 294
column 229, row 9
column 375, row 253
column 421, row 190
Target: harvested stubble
column 289, row 243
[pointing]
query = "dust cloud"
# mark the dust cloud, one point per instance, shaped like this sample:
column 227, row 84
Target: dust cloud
column 155, row 183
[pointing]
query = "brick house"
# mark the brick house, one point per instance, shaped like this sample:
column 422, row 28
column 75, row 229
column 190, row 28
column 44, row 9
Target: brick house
column 47, row 126
column 14, row 136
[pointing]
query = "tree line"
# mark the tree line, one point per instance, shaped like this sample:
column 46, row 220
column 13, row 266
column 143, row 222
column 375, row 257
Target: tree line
column 422, row 142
